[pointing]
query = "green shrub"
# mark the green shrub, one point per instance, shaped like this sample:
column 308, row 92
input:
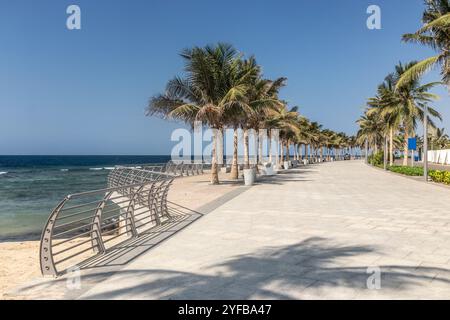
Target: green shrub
column 409, row 171
column 440, row 176
column 377, row 159
column 435, row 175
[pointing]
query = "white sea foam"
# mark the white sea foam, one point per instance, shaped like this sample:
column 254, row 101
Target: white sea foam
column 108, row 168
column 64, row 170
column 3, row 172
column 95, row 168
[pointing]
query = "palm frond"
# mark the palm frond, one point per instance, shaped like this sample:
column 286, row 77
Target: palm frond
column 416, row 71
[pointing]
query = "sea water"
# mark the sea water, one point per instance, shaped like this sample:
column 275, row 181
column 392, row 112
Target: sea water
column 31, row 186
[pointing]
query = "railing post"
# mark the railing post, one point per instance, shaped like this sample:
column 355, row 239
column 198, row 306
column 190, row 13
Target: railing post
column 153, row 201
column 182, row 169
column 96, row 234
column 130, row 213
column 164, row 209
column 47, row 263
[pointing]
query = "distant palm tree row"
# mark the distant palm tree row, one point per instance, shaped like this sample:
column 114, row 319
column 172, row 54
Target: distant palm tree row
column 224, row 90
column 401, row 100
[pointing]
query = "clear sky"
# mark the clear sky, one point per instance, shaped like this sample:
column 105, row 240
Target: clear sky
column 84, row 91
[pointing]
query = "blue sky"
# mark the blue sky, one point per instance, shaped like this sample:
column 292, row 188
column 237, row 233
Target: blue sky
column 85, row 91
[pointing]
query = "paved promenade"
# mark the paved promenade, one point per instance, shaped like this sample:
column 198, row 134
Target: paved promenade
column 309, row 233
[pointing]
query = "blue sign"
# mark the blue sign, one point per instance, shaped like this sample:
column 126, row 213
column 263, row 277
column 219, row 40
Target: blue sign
column 412, row 144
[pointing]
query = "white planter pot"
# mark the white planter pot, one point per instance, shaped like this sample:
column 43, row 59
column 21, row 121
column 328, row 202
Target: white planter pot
column 268, row 169
column 305, row 162
column 249, row 177
column 286, row 165
column 225, row 169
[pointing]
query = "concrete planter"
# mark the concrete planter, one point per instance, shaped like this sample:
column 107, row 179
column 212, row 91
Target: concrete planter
column 225, row 169
column 268, row 169
column 249, row 177
column 286, row 165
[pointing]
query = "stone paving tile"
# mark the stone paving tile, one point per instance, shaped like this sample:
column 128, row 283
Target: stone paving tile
column 311, row 239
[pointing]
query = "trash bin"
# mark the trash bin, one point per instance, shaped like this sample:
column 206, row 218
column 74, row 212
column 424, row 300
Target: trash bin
column 249, row 177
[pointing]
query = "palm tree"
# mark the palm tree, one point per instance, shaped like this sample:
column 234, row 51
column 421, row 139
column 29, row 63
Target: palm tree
column 246, row 73
column 439, row 139
column 262, row 100
column 286, row 119
column 352, row 144
column 411, row 99
column 386, row 103
column 314, row 137
column 328, row 139
column 210, row 86
column 397, row 109
column 402, row 107
column 303, row 135
column 370, row 130
column 435, row 34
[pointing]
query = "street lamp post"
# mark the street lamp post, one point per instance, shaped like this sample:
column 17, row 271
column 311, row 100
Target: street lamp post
column 385, row 152
column 425, row 143
column 366, row 150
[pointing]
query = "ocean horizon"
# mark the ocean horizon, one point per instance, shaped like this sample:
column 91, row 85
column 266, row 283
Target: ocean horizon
column 32, row 185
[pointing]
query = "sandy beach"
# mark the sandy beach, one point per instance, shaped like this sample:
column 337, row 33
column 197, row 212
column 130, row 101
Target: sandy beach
column 19, row 261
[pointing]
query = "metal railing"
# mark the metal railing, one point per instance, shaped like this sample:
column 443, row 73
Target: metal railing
column 183, row 169
column 85, row 225
column 178, row 169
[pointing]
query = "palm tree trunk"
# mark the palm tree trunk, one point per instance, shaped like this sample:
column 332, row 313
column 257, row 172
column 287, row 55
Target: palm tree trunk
column 412, row 135
column 269, row 145
column 221, row 145
column 260, row 148
column 246, row 155
column 288, row 157
column 282, row 153
column 234, row 166
column 391, row 147
column 214, row 171
column 405, row 149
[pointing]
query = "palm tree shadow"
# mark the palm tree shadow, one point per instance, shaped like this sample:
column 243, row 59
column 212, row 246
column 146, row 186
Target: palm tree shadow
column 271, row 273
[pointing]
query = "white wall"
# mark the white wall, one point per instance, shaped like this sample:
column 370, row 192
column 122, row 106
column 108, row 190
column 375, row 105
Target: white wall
column 439, row 156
